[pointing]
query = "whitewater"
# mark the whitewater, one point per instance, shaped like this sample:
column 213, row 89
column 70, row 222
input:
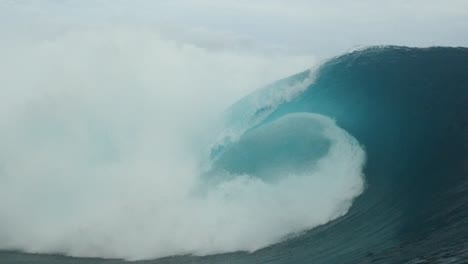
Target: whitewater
column 107, row 137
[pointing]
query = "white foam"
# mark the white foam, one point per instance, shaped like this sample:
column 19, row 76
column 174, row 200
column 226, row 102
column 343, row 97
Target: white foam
column 100, row 135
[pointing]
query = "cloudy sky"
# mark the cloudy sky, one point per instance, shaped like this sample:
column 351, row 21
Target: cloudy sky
column 324, row 28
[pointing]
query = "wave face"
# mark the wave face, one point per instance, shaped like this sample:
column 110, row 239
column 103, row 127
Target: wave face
column 408, row 108
column 290, row 181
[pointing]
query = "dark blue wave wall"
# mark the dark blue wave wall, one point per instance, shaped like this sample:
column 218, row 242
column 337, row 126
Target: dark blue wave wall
column 408, row 107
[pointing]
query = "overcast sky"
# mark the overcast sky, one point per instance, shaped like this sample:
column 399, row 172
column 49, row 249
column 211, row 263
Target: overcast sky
column 322, row 28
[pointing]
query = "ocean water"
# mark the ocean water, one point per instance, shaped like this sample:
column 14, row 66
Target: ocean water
column 363, row 160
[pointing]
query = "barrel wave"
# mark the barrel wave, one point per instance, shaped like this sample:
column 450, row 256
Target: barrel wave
column 364, row 160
